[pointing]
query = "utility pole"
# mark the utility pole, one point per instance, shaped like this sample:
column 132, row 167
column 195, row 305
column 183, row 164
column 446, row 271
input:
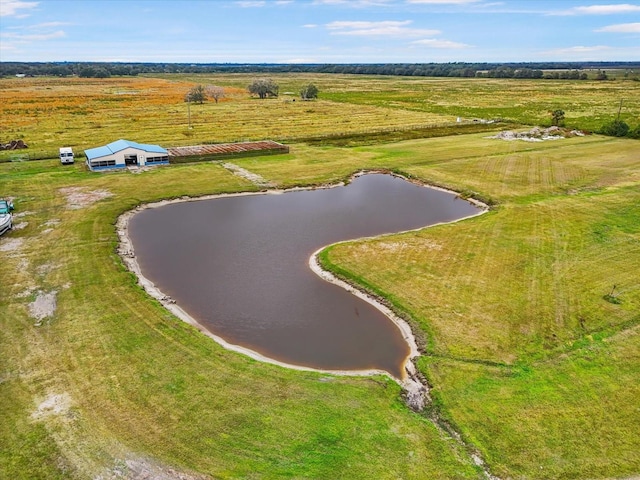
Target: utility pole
column 619, row 110
column 189, row 111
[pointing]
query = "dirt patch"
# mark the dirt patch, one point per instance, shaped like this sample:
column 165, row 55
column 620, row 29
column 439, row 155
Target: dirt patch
column 79, row 197
column 146, row 469
column 46, row 268
column 23, row 264
column 54, row 222
column 137, row 170
column 11, row 245
column 21, row 214
column 537, row 134
column 20, row 226
column 26, row 293
column 44, row 306
column 54, row 404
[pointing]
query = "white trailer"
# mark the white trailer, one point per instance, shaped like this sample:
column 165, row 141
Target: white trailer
column 66, row 155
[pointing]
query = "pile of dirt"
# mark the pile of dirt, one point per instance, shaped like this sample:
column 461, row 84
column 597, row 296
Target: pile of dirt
column 537, row 134
column 13, row 145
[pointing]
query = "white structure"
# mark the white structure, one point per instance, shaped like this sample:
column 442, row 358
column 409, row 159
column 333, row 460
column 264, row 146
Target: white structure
column 122, row 153
column 66, row 155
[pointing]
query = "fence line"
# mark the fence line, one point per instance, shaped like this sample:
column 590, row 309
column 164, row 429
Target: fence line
column 399, row 128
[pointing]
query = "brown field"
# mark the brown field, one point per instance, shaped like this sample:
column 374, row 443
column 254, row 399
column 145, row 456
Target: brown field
column 83, row 113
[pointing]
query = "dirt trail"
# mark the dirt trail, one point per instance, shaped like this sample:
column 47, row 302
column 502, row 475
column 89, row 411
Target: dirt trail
column 247, row 175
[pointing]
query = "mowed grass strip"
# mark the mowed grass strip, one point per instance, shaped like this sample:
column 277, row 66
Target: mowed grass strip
column 574, row 416
column 136, row 384
column 513, row 303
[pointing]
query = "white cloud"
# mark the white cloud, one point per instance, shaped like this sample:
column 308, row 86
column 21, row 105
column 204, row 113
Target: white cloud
column 590, row 53
column 33, row 37
column 620, row 8
column 251, row 3
column 40, row 26
column 354, row 3
column 384, row 28
column 299, row 60
column 577, row 50
column 12, row 7
column 442, row 2
column 310, row 25
column 608, row 9
column 621, row 28
column 435, row 43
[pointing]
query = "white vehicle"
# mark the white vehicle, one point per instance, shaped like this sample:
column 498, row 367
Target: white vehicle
column 66, row 155
column 6, row 220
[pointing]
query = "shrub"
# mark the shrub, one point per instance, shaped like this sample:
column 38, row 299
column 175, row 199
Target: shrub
column 617, row 128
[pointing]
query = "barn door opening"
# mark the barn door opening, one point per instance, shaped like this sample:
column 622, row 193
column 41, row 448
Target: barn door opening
column 131, row 159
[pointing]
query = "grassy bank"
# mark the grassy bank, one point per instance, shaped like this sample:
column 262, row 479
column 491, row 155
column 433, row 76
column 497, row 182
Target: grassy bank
column 528, row 357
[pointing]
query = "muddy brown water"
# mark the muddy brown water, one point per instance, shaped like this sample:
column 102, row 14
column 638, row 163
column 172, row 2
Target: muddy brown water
column 239, row 266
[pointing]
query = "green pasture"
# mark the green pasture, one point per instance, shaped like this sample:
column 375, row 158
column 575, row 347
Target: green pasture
column 527, row 356
column 587, row 104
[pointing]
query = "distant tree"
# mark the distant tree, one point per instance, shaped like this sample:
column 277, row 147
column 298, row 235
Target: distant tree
column 527, row 73
column 601, row 75
column 215, row 92
column 557, row 118
column 501, row 72
column 87, row 72
column 264, row 87
column 101, row 72
column 635, row 133
column 308, row 92
column 617, row 128
column 197, row 95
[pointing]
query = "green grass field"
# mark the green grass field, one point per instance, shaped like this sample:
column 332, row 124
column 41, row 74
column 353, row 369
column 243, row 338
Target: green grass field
column 527, row 360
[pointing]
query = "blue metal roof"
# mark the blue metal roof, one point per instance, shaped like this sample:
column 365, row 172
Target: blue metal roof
column 97, row 152
column 119, row 145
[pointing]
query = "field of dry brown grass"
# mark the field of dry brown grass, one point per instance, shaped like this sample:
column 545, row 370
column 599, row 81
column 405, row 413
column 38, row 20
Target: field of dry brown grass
column 48, row 113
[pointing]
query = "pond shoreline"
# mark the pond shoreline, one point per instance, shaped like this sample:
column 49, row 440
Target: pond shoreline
column 416, row 390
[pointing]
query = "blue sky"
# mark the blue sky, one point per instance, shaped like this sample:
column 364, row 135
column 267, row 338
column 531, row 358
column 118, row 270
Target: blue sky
column 319, row 31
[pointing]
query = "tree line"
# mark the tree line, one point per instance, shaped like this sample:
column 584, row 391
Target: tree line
column 545, row 70
column 262, row 87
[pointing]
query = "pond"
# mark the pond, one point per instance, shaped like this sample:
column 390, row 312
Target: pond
column 239, row 265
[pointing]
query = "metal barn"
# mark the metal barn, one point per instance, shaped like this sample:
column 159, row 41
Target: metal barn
column 124, row 153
